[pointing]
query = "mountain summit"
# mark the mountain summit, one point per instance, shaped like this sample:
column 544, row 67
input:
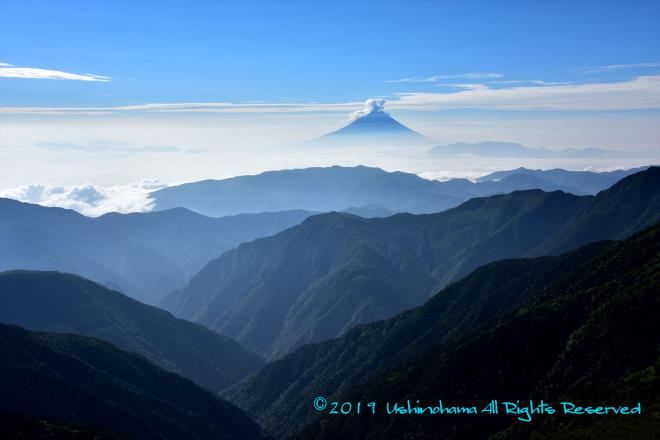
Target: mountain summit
column 373, row 126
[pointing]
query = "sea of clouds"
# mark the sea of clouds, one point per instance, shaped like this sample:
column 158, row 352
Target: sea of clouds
column 91, row 200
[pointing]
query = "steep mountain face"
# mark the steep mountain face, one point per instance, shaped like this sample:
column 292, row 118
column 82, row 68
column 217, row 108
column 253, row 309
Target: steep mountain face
column 341, row 188
column 66, row 303
column 591, row 338
column 335, row 271
column 510, row 149
column 77, row 380
column 143, row 255
column 543, row 328
column 278, row 396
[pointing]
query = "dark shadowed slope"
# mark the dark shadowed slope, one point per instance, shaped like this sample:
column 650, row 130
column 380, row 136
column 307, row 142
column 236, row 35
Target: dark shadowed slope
column 339, row 188
column 592, row 337
column 66, row 303
column 78, row 380
column 145, row 255
column 332, row 272
column 18, row 426
column 588, row 294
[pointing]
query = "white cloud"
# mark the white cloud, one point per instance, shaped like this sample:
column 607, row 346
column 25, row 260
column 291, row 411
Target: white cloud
column 642, row 92
column 466, row 86
column 434, row 78
column 370, row 105
column 639, row 93
column 617, row 67
column 190, row 107
column 116, row 148
column 9, row 71
column 89, row 199
column 538, row 82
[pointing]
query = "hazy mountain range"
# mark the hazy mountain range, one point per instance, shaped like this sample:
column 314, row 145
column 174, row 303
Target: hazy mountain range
column 144, row 255
column 511, row 149
column 59, row 302
column 339, row 188
column 580, row 327
column 334, row 271
column 374, row 127
column 585, row 182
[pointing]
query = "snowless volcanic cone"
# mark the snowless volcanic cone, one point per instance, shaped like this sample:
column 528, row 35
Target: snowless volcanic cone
column 373, row 126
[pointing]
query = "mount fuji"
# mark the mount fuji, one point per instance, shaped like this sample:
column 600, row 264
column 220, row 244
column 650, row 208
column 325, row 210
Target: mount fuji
column 372, row 126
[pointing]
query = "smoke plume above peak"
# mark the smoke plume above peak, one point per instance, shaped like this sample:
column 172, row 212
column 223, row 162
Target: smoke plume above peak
column 370, row 105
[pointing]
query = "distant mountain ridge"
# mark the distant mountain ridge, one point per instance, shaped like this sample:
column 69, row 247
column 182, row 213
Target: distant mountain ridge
column 340, row 188
column 332, row 272
column 52, row 301
column 312, row 189
column 144, row 255
column 511, row 149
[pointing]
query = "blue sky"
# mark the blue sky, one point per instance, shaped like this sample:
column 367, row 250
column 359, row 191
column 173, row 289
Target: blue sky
column 283, row 51
column 113, row 92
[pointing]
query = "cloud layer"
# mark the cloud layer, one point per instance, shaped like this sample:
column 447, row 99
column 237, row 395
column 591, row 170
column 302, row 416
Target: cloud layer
column 434, row 78
column 370, row 105
column 612, row 67
column 642, row 92
column 90, row 200
column 117, row 148
column 9, row 71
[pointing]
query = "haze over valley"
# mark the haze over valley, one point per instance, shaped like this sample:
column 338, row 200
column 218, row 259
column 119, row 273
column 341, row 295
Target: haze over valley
column 329, row 220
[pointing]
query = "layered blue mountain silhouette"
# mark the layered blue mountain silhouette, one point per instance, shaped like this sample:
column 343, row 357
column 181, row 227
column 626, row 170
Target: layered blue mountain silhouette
column 53, row 301
column 341, row 188
column 326, row 278
column 510, row 149
column 143, row 255
column 335, row 271
column 146, row 255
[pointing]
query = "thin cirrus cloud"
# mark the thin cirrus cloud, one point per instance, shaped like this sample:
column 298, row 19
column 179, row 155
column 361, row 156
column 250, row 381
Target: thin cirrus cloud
column 434, row 78
column 190, row 107
column 10, row 71
column 642, row 92
column 117, row 148
column 638, row 93
column 613, row 67
column 539, row 82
